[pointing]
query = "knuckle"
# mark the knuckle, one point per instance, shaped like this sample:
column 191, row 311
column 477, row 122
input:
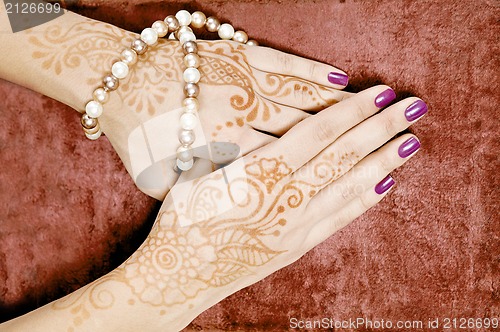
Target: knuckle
column 312, row 70
column 285, row 62
column 386, row 163
column 366, row 203
column 390, row 127
column 347, row 194
column 358, row 108
column 324, row 131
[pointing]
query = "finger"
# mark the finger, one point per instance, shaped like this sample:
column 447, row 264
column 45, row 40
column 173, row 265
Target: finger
column 339, row 219
column 365, row 175
column 366, row 137
column 296, row 92
column 309, row 137
column 273, row 61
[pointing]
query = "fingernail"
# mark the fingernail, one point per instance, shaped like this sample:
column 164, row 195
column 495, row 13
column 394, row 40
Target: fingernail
column 415, row 110
column 408, row 147
column 338, row 78
column 384, row 185
column 385, row 98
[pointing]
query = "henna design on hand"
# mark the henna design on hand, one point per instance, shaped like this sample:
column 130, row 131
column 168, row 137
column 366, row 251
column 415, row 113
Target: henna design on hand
column 175, row 265
column 89, row 41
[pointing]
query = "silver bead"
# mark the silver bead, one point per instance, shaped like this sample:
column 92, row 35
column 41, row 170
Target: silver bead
column 183, row 29
column 88, row 122
column 240, row 37
column 190, row 47
column 111, row 83
column 92, row 131
column 198, row 19
column 139, row 46
column 187, row 137
column 192, row 60
column 191, row 90
column 172, row 23
column 185, row 153
column 212, row 24
column 252, row 42
column 101, row 95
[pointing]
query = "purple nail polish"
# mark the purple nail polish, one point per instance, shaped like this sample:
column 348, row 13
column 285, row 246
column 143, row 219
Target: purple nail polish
column 385, row 98
column 415, row 110
column 384, row 185
column 408, row 147
column 338, row 78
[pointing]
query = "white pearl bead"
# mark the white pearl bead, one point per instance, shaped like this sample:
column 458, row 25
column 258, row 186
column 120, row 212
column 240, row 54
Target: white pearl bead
column 129, row 56
column 187, row 137
column 183, row 17
column 95, row 136
column 119, row 70
column 191, row 105
column 191, row 75
column 198, row 19
column 94, row 109
column 101, row 95
column 226, row 31
column 252, row 42
column 149, row 36
column 185, row 166
column 160, row 27
column 192, row 60
column 185, row 153
column 187, row 36
column 240, row 37
column 181, row 30
column 188, row 121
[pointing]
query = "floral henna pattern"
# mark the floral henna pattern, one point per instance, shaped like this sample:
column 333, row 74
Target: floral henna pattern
column 176, row 262
column 269, row 172
column 99, row 45
column 90, row 41
column 156, row 70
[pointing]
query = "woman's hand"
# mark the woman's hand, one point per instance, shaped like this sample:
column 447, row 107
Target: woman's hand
column 221, row 232
column 246, row 93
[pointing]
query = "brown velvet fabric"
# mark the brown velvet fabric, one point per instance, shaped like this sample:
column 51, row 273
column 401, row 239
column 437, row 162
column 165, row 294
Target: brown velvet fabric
column 69, row 211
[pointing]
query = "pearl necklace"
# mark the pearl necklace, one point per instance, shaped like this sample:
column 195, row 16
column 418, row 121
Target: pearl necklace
column 178, row 27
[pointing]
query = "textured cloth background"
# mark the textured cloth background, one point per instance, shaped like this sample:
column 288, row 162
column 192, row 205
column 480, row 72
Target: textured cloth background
column 70, row 213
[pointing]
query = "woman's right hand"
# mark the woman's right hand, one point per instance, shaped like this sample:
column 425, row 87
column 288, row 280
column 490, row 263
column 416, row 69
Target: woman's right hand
column 224, row 231
column 218, row 233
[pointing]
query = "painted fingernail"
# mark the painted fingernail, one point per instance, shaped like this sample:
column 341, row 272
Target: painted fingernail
column 338, row 78
column 384, row 185
column 415, row 110
column 385, row 98
column 408, row 147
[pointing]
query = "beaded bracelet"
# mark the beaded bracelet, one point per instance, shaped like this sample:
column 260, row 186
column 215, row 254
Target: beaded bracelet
column 178, row 26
